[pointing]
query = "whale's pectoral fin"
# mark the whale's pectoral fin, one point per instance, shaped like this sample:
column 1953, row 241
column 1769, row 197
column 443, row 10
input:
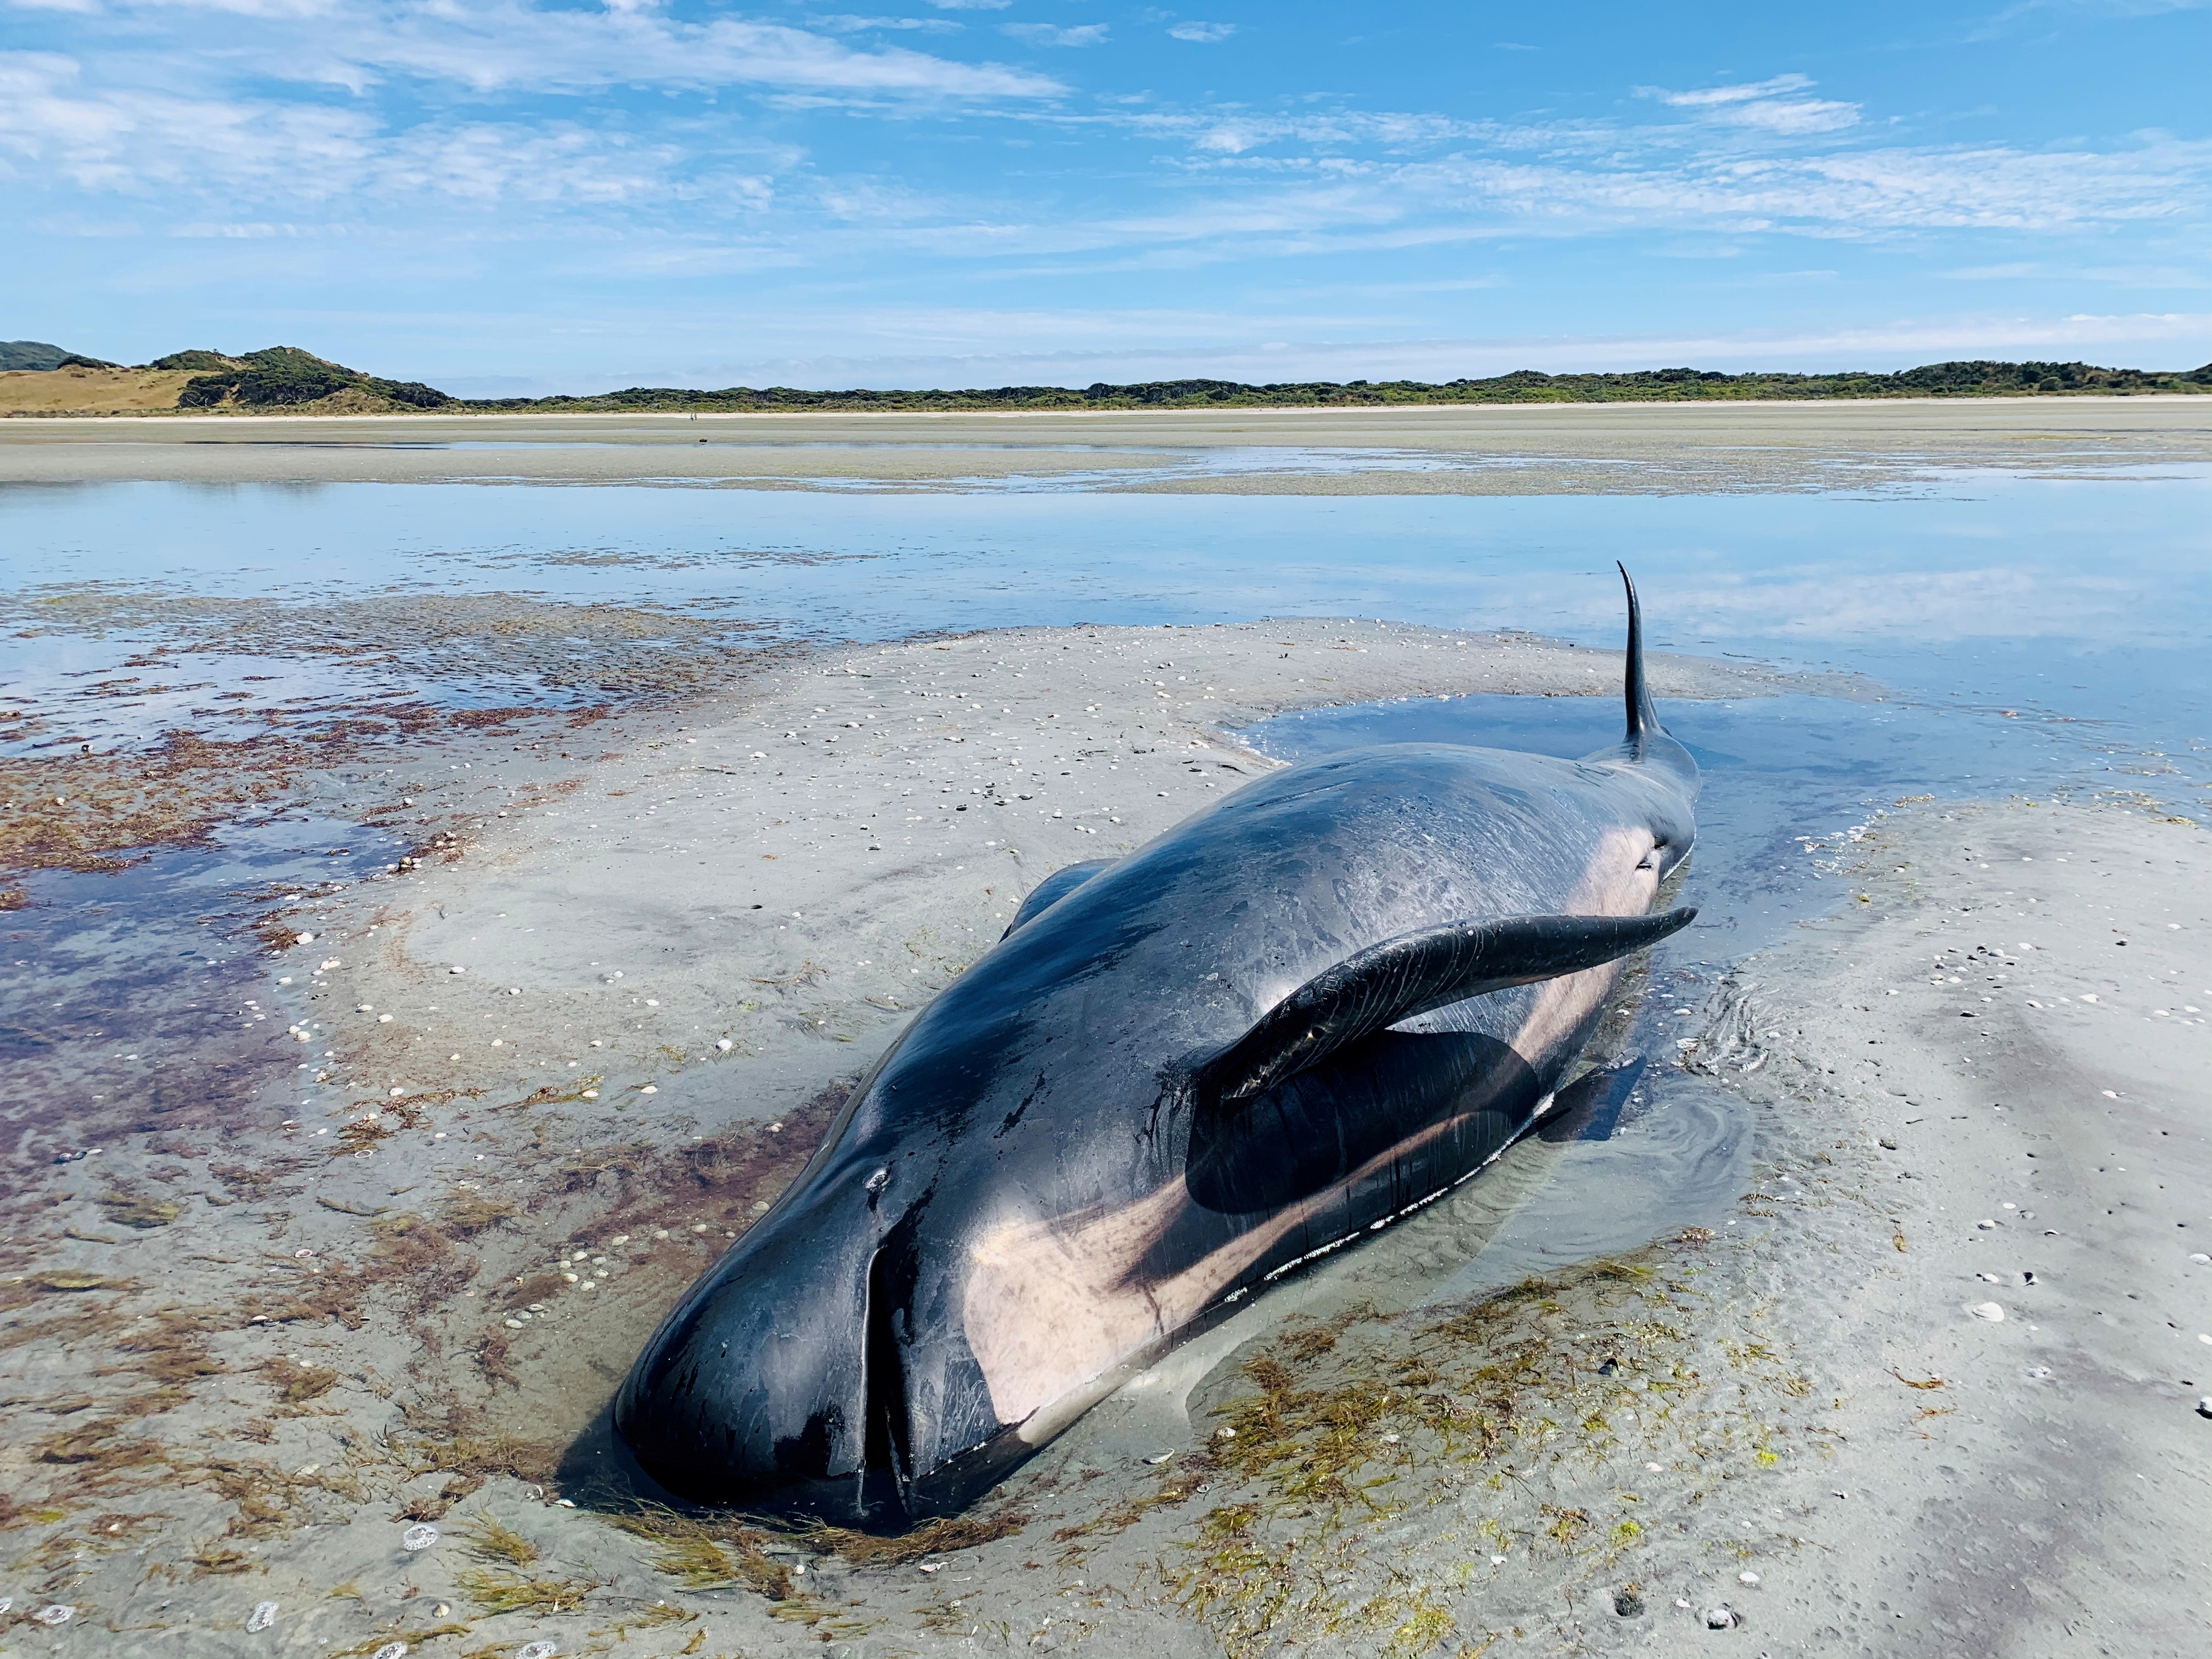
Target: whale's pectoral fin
column 1053, row 889
column 1411, row 974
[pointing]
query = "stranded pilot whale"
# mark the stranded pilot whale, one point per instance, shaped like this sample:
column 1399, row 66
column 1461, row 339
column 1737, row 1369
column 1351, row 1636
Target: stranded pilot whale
column 1326, row 998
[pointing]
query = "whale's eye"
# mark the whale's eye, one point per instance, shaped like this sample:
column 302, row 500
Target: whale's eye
column 878, row 1181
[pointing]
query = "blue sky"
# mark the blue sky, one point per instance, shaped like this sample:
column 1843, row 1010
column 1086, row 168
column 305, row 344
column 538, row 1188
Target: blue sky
column 510, row 195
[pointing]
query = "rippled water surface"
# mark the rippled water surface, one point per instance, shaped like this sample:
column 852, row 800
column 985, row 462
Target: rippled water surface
column 2087, row 598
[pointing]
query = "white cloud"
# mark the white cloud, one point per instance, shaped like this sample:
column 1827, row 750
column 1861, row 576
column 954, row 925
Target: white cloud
column 488, row 162
column 1233, row 135
column 1048, row 34
column 1737, row 94
column 1566, row 179
column 502, row 44
column 1205, row 35
column 1351, row 206
column 270, row 8
column 136, row 143
column 1769, row 106
column 2187, row 277
column 142, row 142
column 494, row 45
column 843, row 25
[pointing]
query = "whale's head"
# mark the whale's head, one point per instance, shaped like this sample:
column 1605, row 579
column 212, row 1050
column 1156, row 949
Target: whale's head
column 822, row 1367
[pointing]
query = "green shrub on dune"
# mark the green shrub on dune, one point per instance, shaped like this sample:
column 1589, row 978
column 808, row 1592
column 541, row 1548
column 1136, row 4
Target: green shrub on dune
column 1525, row 386
column 279, row 377
column 198, row 362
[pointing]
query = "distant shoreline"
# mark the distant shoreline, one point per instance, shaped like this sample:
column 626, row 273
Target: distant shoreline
column 600, row 409
column 290, row 380
column 1797, row 447
column 474, row 411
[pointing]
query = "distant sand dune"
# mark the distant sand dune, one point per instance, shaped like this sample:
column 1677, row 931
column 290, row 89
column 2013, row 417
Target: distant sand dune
column 90, row 391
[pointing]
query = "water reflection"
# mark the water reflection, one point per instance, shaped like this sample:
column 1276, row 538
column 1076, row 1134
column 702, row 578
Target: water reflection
column 137, row 999
column 2087, row 597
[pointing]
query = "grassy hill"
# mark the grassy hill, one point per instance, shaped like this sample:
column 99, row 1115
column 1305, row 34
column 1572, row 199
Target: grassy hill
column 30, row 353
column 44, row 379
column 277, row 380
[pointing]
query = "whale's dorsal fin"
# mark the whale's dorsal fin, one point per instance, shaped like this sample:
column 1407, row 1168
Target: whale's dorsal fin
column 1053, row 889
column 1646, row 742
column 1636, row 691
column 1411, row 974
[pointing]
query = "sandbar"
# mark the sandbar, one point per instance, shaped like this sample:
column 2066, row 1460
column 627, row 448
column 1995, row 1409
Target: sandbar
column 1479, row 450
column 563, row 1054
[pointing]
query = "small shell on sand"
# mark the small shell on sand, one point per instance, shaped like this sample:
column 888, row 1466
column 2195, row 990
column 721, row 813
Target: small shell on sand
column 420, row 1536
column 264, row 1615
column 1988, row 1311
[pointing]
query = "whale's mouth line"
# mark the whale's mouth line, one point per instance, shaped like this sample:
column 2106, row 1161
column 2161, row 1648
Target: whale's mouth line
column 887, row 1453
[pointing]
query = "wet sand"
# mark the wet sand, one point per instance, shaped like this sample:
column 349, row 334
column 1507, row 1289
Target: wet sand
column 244, row 1351
column 1536, row 449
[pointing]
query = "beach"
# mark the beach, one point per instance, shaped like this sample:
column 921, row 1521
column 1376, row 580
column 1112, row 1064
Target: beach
column 1867, row 1316
column 1510, row 450
column 594, row 1025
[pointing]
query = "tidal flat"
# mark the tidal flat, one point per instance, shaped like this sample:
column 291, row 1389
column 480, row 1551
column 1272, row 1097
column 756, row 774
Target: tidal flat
column 383, row 1066
column 1545, row 449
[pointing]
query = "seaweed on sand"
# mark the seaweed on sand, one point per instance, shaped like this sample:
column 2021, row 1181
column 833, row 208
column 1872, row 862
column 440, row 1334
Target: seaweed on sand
column 493, row 1542
column 124, row 1207
column 464, row 1451
column 406, row 1640
column 172, row 1351
column 704, row 1554
column 96, row 1454
column 937, row 1537
column 497, row 1592
column 1335, row 1434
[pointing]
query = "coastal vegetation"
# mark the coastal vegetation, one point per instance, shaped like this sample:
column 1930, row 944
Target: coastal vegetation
column 285, row 377
column 1526, row 385
column 31, row 355
column 36, row 378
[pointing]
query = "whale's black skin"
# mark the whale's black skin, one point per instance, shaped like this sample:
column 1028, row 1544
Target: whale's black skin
column 1324, row 999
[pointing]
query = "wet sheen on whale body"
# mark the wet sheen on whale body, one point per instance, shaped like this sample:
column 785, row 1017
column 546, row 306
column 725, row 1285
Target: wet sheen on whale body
column 1328, row 997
